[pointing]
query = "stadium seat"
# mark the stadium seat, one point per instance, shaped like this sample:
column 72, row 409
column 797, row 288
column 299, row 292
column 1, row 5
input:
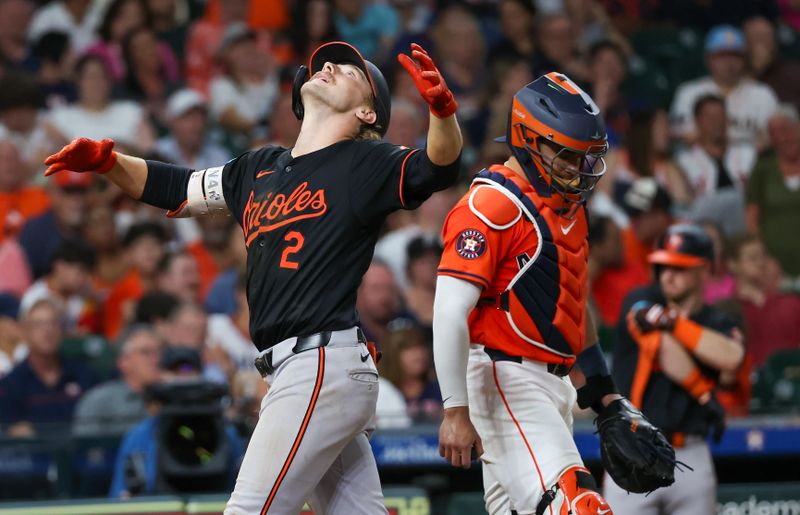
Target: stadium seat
column 777, row 383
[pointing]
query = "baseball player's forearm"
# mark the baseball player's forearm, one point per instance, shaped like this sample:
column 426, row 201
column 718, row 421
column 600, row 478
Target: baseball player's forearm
column 711, row 347
column 129, row 174
column 454, row 300
column 444, row 140
column 678, row 365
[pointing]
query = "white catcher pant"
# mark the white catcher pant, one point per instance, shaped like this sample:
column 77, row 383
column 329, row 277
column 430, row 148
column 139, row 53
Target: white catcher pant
column 692, row 493
column 310, row 443
column 523, row 415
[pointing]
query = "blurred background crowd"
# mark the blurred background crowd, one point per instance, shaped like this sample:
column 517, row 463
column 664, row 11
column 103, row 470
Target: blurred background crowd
column 103, row 297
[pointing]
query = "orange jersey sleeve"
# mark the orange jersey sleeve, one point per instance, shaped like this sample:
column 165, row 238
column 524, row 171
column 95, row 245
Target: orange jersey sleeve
column 473, row 251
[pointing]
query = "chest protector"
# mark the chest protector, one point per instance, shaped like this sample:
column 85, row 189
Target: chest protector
column 545, row 302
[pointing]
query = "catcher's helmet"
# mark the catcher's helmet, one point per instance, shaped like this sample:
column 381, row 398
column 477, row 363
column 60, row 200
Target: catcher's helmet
column 556, row 110
column 339, row 52
column 683, row 246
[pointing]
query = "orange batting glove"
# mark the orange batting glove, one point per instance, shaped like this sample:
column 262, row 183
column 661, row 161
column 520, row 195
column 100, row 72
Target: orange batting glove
column 429, row 82
column 83, row 155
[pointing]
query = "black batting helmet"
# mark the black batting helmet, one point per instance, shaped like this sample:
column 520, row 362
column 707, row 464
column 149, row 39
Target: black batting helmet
column 340, row 52
column 683, row 246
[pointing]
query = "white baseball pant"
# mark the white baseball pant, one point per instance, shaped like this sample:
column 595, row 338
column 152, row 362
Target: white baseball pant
column 523, row 415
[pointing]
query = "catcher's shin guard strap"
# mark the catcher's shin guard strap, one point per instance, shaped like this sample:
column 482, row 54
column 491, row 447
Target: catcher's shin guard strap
column 580, row 494
column 592, row 393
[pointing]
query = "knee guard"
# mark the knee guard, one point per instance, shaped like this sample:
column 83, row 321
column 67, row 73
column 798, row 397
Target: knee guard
column 578, row 492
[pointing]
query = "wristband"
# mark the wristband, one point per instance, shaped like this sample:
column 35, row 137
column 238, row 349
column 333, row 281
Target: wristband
column 592, row 361
column 697, row 385
column 687, row 333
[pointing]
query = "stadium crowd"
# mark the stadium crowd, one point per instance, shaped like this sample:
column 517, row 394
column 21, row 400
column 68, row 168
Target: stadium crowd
column 701, row 101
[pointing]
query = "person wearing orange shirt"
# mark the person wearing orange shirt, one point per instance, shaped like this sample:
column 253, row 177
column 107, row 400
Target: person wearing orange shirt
column 510, row 316
column 648, row 206
column 19, row 201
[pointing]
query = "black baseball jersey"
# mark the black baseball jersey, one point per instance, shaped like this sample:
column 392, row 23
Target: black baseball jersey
column 665, row 403
column 311, row 223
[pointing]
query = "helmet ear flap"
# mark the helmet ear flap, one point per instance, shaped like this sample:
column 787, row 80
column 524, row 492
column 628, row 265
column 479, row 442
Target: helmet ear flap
column 300, row 78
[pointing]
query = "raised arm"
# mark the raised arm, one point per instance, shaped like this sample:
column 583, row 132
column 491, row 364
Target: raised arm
column 444, row 135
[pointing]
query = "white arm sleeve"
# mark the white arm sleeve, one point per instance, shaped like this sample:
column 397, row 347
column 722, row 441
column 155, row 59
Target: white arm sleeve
column 454, row 300
column 203, row 194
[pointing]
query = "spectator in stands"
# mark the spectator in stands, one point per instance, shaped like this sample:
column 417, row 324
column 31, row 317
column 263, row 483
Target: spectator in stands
column 56, row 62
column 711, row 163
column 41, row 235
column 120, row 19
column 427, row 220
column 749, row 103
column 649, row 207
column 169, row 18
column 557, row 48
column 424, row 254
column 96, row 115
column 608, row 67
column 773, row 193
column 647, row 154
column 154, row 308
column 408, row 365
column 242, row 97
column 19, row 200
column 178, row 274
column 507, row 76
column 100, row 233
column 284, row 127
column 78, row 18
column 229, row 342
column 719, row 284
column 460, row 47
column 111, row 408
column 20, row 120
column 40, row 393
column 136, row 467
column 378, row 301
column 369, row 26
column 771, row 319
column 152, row 72
column 69, row 284
column 766, row 63
column 12, row 342
column 518, row 31
column 15, row 17
column 204, row 40
column 143, row 244
column 612, row 273
column 312, row 25
column 211, row 250
column 221, row 297
column 408, row 125
column 187, row 143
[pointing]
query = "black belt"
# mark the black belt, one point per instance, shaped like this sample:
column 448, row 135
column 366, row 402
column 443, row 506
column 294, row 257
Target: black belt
column 264, row 364
column 557, row 369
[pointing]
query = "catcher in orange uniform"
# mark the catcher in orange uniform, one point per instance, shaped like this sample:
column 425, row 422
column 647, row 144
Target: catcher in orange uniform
column 510, row 320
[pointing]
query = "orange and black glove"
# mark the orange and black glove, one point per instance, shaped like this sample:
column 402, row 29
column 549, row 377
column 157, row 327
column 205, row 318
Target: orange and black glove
column 83, row 155
column 429, row 81
column 649, row 317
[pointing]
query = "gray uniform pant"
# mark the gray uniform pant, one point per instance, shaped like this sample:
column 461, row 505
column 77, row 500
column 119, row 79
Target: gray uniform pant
column 693, row 493
column 310, row 443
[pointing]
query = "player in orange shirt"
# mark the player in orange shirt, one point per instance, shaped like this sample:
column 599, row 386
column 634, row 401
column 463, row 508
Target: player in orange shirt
column 510, row 314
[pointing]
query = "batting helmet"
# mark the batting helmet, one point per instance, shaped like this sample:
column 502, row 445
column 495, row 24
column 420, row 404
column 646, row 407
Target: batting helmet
column 556, row 110
column 339, row 52
column 683, row 246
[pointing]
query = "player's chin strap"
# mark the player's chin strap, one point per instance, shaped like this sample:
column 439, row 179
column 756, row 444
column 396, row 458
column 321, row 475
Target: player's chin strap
column 580, row 492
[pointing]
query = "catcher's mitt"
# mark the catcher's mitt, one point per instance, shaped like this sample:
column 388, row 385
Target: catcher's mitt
column 635, row 453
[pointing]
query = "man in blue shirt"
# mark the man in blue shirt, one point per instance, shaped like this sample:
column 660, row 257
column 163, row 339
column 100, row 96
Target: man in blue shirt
column 39, row 394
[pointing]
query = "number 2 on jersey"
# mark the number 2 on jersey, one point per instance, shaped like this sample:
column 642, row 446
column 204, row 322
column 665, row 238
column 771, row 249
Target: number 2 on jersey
column 297, row 238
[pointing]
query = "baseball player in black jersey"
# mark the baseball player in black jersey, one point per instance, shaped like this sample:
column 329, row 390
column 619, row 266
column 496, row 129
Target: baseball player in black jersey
column 310, row 216
column 670, row 352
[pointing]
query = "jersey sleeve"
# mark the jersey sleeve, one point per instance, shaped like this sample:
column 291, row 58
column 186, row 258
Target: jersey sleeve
column 472, row 249
column 386, row 177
